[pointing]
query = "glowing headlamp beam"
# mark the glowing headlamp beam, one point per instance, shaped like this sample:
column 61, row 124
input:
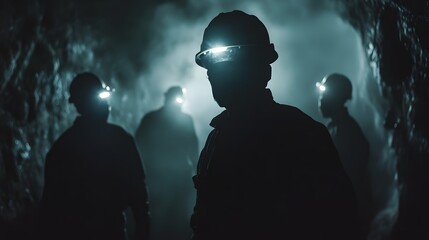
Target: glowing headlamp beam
column 218, row 49
column 321, row 87
column 104, row 95
column 179, row 100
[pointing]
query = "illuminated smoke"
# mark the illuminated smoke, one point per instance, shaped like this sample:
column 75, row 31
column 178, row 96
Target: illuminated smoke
column 141, row 48
column 312, row 41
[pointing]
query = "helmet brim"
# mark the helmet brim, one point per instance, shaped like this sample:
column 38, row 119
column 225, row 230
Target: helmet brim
column 236, row 53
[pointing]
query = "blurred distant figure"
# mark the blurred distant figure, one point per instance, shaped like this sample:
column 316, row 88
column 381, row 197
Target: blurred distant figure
column 169, row 148
column 93, row 172
column 350, row 141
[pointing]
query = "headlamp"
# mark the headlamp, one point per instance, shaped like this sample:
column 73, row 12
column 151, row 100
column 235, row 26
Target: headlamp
column 105, row 93
column 180, row 97
column 321, row 86
column 236, row 53
column 179, row 100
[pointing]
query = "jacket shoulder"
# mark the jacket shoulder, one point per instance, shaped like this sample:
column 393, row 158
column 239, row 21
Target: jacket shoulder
column 118, row 130
column 295, row 116
column 64, row 138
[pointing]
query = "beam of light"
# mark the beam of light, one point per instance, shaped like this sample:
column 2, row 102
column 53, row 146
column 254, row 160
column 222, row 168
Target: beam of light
column 179, row 100
column 218, row 49
column 321, row 87
column 104, row 95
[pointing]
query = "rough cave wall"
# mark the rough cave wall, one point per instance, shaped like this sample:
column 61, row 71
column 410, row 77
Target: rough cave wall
column 43, row 44
column 396, row 34
column 39, row 54
column 402, row 46
column 41, row 47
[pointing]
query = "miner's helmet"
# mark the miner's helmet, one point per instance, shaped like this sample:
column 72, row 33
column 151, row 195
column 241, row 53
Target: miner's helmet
column 337, row 86
column 87, row 86
column 235, row 36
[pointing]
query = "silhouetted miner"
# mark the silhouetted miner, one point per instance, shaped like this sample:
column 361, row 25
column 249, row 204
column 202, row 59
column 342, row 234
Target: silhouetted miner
column 93, row 172
column 351, row 143
column 267, row 171
column 169, row 147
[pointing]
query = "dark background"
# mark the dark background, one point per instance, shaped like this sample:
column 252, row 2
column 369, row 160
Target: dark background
column 140, row 48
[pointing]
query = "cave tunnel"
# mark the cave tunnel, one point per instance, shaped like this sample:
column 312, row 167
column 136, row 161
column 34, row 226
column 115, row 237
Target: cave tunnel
column 141, row 48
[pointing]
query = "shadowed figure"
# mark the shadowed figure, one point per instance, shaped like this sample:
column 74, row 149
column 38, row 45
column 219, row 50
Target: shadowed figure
column 350, row 141
column 169, row 147
column 267, row 171
column 93, row 173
